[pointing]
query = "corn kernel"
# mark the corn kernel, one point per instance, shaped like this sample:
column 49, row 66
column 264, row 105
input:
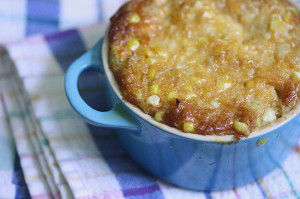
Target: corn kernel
column 138, row 94
column 186, row 42
column 223, row 41
column 269, row 115
column 249, row 84
column 154, row 89
column 224, row 85
column 160, row 2
column 256, row 104
column 194, row 79
column 277, row 24
column 190, row 96
column 261, row 141
column 158, row 116
column 161, row 53
column 292, row 9
column 215, row 104
column 172, row 95
column 236, row 46
column 208, row 13
column 133, row 44
column 287, row 17
column 267, row 36
column 198, row 5
column 189, row 88
column 151, row 61
column 151, row 73
column 188, row 127
column 172, row 45
column 297, row 75
column 282, row 50
column 149, row 53
column 202, row 40
column 153, row 100
column 257, row 122
column 240, row 126
column 134, row 18
column 221, row 23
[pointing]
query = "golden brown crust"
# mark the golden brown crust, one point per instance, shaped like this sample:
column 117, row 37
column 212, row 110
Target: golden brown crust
column 204, row 66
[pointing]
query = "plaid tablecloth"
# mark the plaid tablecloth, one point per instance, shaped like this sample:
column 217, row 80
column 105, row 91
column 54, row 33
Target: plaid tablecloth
column 46, row 149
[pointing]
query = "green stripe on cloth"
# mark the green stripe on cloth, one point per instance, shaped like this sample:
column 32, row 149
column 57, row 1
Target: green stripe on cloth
column 7, row 153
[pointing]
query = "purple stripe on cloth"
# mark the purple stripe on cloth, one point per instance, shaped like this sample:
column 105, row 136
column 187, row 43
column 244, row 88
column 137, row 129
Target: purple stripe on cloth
column 18, row 179
column 66, row 47
column 207, row 195
column 42, row 16
column 140, row 191
column 134, row 182
column 62, row 35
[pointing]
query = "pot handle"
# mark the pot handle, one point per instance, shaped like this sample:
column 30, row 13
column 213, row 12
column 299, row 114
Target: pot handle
column 114, row 118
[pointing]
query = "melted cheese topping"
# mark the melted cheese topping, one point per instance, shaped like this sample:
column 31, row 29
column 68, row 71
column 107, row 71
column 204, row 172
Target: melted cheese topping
column 211, row 66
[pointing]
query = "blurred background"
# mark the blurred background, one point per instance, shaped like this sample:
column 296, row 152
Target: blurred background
column 22, row 18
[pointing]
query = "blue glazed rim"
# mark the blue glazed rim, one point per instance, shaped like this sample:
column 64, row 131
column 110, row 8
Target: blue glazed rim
column 118, row 118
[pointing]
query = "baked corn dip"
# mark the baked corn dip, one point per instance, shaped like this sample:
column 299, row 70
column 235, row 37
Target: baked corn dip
column 209, row 67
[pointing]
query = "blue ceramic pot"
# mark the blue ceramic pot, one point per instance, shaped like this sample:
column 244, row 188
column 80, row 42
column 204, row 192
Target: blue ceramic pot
column 191, row 161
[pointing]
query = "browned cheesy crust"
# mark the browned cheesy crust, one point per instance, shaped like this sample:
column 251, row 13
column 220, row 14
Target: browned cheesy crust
column 209, row 67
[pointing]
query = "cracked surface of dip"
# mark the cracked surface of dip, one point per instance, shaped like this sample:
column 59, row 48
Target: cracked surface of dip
column 209, row 67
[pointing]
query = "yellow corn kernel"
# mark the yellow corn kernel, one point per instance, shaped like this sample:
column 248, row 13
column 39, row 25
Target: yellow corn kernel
column 172, row 95
column 158, row 116
column 161, row 53
column 240, row 126
column 172, row 45
column 221, row 23
column 151, row 73
column 194, row 79
column 151, row 60
column 282, row 50
column 249, row 84
column 153, row 100
column 297, row 75
column 208, row 13
column 256, row 104
column 138, row 93
column 134, row 18
column 154, row 89
column 287, row 17
column 188, row 127
column 215, row 104
column 224, row 85
column 277, row 25
column 190, row 96
column 198, row 5
column 292, row 9
column 236, row 46
column 202, row 40
column 189, row 88
column 160, row 2
column 261, row 141
column 149, row 53
column 186, row 42
column 269, row 115
column 133, row 44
